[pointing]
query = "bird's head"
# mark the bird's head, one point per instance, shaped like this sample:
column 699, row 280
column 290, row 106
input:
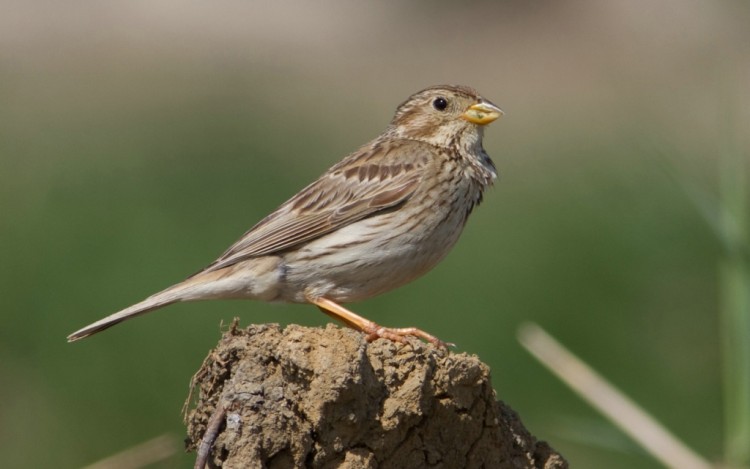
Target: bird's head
column 444, row 115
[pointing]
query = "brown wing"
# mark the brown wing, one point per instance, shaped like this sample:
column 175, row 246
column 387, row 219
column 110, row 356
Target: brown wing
column 375, row 178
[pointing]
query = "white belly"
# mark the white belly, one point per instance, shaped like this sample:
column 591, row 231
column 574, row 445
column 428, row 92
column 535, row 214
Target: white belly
column 369, row 257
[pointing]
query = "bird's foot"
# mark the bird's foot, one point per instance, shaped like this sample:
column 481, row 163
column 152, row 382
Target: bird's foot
column 399, row 334
column 373, row 330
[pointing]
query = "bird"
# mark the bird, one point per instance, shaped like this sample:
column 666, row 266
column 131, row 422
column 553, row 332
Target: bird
column 378, row 219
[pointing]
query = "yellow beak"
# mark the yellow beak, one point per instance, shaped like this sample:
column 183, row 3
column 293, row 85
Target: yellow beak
column 482, row 113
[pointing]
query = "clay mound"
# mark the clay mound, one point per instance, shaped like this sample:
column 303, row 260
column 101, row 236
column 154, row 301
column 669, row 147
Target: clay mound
column 325, row 398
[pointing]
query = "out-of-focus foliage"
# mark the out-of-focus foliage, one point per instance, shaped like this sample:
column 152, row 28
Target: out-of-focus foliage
column 138, row 140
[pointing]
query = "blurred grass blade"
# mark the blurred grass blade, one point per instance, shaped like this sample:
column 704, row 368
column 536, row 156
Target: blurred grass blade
column 705, row 202
column 608, row 400
column 734, row 291
column 145, row 454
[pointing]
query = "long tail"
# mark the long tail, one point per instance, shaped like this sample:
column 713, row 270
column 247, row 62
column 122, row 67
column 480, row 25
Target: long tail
column 237, row 281
column 163, row 298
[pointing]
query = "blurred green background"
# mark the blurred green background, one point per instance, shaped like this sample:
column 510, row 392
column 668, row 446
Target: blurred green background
column 139, row 139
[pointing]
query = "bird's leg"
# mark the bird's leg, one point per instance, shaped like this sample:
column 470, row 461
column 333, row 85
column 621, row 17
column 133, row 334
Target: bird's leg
column 373, row 330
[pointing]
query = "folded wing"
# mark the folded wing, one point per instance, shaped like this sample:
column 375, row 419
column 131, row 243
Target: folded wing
column 362, row 185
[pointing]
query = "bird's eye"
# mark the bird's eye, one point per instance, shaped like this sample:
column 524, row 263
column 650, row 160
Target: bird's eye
column 440, row 103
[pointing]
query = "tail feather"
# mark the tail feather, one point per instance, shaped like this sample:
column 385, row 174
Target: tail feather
column 229, row 282
column 159, row 300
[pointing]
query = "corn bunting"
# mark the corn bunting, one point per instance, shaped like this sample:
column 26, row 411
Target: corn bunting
column 383, row 216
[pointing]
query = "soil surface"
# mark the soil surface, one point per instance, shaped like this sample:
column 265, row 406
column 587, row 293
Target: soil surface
column 326, row 398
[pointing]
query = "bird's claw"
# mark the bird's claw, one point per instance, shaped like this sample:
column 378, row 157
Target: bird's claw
column 399, row 334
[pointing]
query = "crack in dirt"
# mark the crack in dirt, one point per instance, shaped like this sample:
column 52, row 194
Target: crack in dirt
column 324, row 398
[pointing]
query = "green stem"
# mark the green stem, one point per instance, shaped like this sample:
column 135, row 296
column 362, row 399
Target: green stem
column 734, row 301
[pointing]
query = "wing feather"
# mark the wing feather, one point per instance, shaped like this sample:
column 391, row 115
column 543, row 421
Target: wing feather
column 363, row 184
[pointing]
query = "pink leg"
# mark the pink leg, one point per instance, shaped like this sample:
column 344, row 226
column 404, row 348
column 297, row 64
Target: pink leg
column 373, row 330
